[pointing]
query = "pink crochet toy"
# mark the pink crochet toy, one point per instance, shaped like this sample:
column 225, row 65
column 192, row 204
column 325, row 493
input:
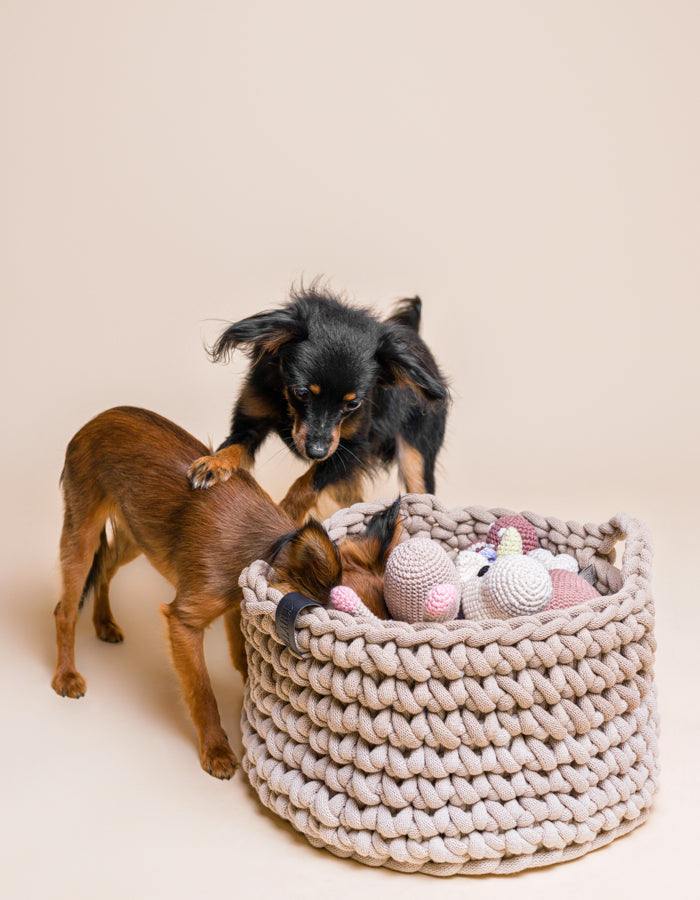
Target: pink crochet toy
column 524, row 528
column 569, row 589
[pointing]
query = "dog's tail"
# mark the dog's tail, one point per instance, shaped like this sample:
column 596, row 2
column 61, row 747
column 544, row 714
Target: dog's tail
column 407, row 312
column 99, row 562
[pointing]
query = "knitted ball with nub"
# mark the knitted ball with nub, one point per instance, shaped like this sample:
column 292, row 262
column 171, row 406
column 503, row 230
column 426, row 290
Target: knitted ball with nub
column 421, row 583
column 524, row 528
column 514, row 585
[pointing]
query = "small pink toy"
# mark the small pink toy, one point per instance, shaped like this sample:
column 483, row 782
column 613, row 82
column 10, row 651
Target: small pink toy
column 569, row 589
column 346, row 600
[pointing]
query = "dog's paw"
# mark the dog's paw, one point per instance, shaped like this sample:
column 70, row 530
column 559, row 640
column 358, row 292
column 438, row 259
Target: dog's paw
column 109, row 631
column 69, row 684
column 208, row 470
column 219, row 761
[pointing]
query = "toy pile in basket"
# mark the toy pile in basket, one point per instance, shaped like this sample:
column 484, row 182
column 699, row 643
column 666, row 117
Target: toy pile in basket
column 506, row 575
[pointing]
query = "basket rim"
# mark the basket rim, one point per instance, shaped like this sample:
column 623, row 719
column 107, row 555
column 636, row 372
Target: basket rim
column 600, row 540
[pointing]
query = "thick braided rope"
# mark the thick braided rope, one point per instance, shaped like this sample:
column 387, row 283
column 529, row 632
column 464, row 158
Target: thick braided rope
column 460, row 747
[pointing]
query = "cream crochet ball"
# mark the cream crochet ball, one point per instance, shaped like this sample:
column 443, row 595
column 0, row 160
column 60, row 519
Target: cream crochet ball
column 551, row 561
column 421, row 583
column 514, row 585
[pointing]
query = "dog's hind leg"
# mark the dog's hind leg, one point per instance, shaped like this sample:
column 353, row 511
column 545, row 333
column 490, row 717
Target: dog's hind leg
column 187, row 617
column 113, row 555
column 80, row 542
column 236, row 644
column 417, row 447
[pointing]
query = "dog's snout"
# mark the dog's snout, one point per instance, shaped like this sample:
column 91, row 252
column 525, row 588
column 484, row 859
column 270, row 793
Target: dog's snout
column 317, row 449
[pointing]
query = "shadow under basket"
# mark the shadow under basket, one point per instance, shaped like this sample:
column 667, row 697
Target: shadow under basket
column 460, row 747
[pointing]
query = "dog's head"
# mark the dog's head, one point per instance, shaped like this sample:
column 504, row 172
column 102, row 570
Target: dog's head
column 364, row 557
column 331, row 357
column 307, row 560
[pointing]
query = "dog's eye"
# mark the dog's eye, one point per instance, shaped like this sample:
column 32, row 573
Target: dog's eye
column 482, row 571
column 353, row 404
column 301, row 393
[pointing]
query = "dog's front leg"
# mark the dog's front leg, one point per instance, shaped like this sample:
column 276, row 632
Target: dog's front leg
column 237, row 452
column 341, row 475
column 187, row 618
column 208, row 470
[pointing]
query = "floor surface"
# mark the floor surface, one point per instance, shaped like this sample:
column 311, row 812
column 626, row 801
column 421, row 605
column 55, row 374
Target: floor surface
column 107, row 798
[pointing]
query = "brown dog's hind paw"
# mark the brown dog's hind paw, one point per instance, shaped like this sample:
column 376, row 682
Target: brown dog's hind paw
column 109, row 632
column 69, row 684
column 219, row 761
column 208, row 470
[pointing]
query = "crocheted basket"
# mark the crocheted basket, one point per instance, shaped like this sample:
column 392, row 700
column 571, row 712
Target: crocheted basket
column 460, row 747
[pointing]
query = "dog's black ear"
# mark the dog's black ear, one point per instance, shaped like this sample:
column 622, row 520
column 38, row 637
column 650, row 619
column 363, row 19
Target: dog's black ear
column 405, row 361
column 382, row 530
column 407, row 312
column 265, row 332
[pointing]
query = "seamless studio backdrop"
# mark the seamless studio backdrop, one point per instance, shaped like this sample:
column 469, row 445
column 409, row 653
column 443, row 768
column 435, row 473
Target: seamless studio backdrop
column 529, row 169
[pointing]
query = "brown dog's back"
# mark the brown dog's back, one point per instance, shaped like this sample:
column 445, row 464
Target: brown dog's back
column 133, row 463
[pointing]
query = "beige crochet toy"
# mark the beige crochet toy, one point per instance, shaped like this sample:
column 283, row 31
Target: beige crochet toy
column 421, row 584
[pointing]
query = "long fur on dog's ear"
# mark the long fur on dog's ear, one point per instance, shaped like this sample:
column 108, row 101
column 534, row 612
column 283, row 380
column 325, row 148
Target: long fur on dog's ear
column 265, row 332
column 405, row 361
column 364, row 557
column 407, row 312
column 308, row 560
column 381, row 531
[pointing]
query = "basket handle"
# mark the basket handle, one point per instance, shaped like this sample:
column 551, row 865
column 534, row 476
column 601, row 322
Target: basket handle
column 637, row 555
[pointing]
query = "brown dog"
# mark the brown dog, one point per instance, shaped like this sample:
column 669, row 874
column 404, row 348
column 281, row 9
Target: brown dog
column 128, row 466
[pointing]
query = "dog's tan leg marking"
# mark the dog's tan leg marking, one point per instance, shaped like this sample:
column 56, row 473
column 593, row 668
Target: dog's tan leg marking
column 301, row 496
column 411, row 467
column 349, row 491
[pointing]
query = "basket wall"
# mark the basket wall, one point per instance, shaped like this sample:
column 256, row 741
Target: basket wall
column 460, row 747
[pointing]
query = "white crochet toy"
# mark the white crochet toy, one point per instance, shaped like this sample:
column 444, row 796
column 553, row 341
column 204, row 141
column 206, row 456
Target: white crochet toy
column 513, row 585
column 501, row 582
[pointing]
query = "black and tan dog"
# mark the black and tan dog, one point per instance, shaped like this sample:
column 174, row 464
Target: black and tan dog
column 343, row 389
column 128, row 467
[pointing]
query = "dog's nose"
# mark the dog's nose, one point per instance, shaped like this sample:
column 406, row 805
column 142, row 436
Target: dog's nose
column 316, row 450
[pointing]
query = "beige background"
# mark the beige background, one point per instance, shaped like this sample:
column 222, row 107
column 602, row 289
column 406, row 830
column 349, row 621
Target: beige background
column 531, row 169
